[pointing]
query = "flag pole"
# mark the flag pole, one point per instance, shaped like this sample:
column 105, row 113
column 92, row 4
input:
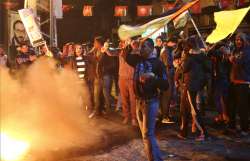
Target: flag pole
column 197, row 30
column 180, row 11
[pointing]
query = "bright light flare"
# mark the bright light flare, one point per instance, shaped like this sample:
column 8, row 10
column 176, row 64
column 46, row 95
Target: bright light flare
column 12, row 149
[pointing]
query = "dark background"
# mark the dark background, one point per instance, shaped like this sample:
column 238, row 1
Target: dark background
column 74, row 27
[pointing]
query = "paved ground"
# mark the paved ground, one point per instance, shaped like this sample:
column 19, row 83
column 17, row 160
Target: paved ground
column 173, row 149
column 124, row 144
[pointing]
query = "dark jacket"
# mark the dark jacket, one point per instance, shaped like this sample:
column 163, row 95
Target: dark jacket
column 150, row 88
column 195, row 69
column 221, row 67
column 93, row 59
column 107, row 65
column 241, row 66
column 158, row 51
column 167, row 58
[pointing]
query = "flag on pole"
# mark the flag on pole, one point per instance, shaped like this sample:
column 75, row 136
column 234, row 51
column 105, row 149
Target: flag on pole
column 226, row 23
column 181, row 20
column 126, row 31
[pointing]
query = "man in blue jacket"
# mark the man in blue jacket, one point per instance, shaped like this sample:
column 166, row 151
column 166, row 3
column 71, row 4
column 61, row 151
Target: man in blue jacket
column 150, row 77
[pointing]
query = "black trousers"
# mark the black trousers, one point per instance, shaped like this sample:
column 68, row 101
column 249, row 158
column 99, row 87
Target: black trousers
column 239, row 101
column 189, row 106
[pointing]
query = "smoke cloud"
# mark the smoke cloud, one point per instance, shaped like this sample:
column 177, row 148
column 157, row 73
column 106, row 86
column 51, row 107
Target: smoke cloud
column 44, row 107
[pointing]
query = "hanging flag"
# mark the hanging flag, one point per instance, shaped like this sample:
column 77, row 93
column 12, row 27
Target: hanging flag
column 66, row 7
column 224, row 4
column 10, row 5
column 168, row 6
column 196, row 9
column 226, row 23
column 121, row 11
column 143, row 11
column 240, row 3
column 181, row 20
column 87, row 10
column 126, row 31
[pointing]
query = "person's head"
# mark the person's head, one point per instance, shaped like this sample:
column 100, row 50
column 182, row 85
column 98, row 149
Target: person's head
column 122, row 44
column 70, row 48
column 24, row 48
column 240, row 40
column 177, row 60
column 135, row 44
column 147, row 47
column 1, row 50
column 159, row 41
column 19, row 31
column 65, row 50
column 78, row 50
column 172, row 42
column 44, row 49
column 191, row 44
column 98, row 42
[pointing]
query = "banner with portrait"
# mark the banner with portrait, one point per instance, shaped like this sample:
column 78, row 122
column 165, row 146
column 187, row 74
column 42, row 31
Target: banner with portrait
column 17, row 33
column 31, row 27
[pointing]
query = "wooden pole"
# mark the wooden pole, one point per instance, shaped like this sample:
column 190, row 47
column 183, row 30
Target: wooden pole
column 197, row 30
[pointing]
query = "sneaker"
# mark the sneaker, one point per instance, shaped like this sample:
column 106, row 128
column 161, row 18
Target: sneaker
column 92, row 114
column 200, row 138
column 181, row 137
column 104, row 112
column 134, row 122
column 117, row 109
column 167, row 120
column 243, row 134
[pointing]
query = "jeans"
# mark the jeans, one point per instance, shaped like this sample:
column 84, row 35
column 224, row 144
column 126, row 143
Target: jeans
column 107, row 84
column 146, row 114
column 239, row 99
column 98, row 94
column 243, row 105
column 165, row 99
column 221, row 90
column 90, row 84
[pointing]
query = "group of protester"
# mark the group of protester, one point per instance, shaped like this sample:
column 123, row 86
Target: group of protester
column 149, row 77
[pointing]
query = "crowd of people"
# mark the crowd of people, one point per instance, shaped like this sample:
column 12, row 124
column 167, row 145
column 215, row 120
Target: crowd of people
column 148, row 79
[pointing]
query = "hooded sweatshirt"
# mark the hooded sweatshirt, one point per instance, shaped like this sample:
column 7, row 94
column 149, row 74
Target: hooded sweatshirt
column 195, row 69
column 240, row 71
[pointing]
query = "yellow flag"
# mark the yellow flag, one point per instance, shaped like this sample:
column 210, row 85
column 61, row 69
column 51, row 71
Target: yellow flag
column 226, row 23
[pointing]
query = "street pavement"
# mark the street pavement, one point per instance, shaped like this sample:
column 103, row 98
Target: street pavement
column 218, row 147
column 119, row 142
